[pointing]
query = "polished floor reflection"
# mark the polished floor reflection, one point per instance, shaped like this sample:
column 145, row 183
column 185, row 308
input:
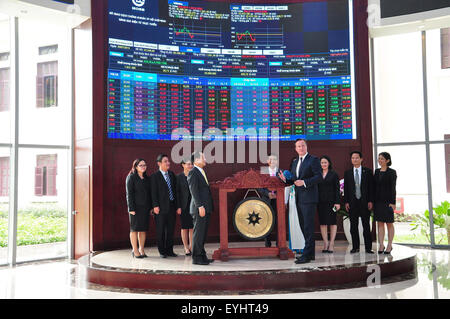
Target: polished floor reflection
column 60, row 279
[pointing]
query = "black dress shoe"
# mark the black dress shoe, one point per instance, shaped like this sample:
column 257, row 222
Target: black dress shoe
column 200, row 262
column 268, row 243
column 172, row 254
column 354, row 251
column 210, row 260
column 163, row 256
column 368, row 251
column 303, row 260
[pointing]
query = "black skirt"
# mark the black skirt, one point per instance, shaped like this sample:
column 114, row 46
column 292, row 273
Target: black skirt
column 141, row 221
column 326, row 214
column 383, row 213
column 186, row 219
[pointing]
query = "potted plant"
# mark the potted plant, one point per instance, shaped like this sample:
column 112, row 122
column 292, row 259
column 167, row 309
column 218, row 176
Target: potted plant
column 441, row 219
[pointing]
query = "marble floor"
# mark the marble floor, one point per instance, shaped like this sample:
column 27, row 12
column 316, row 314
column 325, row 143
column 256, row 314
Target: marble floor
column 62, row 280
column 122, row 260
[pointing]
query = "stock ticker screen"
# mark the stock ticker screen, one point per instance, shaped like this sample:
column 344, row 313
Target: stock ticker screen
column 285, row 71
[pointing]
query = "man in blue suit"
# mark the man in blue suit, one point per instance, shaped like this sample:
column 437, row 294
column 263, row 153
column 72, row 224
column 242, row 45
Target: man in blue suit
column 306, row 174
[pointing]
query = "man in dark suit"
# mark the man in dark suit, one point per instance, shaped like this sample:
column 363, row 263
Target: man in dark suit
column 358, row 198
column 201, row 208
column 165, row 206
column 270, row 196
column 307, row 173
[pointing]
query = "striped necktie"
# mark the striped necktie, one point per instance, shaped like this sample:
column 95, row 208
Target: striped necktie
column 167, row 178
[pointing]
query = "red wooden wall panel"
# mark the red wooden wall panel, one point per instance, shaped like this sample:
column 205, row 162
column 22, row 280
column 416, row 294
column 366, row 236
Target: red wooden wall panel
column 112, row 159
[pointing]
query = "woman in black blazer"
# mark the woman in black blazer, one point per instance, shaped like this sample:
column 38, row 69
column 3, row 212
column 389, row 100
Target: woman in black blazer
column 329, row 203
column 139, row 206
column 385, row 180
column 184, row 200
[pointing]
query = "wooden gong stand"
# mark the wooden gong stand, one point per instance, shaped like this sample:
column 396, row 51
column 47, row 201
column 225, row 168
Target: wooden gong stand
column 247, row 180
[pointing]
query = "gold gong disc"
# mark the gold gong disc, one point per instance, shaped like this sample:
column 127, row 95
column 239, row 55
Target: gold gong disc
column 253, row 218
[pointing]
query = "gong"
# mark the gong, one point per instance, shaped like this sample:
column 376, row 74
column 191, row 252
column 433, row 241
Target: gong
column 253, row 218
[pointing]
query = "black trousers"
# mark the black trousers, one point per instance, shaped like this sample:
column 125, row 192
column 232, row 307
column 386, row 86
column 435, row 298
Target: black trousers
column 306, row 217
column 199, row 236
column 359, row 209
column 165, row 227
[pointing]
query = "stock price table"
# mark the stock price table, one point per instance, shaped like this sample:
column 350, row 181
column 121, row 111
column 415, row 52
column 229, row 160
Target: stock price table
column 150, row 106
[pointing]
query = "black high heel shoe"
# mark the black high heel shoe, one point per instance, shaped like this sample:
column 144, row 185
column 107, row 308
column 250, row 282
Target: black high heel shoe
column 381, row 251
column 326, row 250
column 134, row 256
column 388, row 252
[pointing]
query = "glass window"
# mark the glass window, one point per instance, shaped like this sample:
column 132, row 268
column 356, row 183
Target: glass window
column 440, row 179
column 5, row 89
column 45, row 83
column 412, row 192
column 4, row 176
column 5, row 173
column 399, row 88
column 445, row 48
column 438, row 88
column 5, row 80
column 45, row 175
column 42, row 217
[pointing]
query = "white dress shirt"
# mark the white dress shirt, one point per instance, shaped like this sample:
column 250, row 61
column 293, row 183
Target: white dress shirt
column 273, row 172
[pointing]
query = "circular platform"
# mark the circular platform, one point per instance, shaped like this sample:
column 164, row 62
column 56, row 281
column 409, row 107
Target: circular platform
column 329, row 271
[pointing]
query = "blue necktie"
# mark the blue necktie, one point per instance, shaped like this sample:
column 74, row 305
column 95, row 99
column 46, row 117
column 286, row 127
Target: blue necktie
column 166, row 177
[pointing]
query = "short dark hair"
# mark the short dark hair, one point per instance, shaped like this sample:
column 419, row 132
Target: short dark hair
column 195, row 155
column 186, row 160
column 161, row 157
column 356, row 152
column 301, row 139
column 330, row 164
column 387, row 157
